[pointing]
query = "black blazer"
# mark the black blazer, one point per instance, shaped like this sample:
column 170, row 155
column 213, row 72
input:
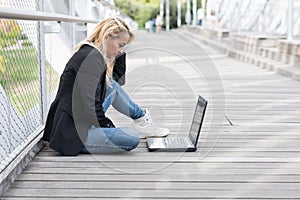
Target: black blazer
column 78, row 103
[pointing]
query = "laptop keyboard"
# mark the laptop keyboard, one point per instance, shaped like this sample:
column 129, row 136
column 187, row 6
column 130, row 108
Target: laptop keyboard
column 176, row 142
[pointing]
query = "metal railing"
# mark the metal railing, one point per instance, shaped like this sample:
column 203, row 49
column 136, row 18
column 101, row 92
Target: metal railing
column 12, row 13
column 270, row 16
column 37, row 39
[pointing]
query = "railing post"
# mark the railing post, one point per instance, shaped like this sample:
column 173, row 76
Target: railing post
column 167, row 15
column 72, row 13
column 178, row 13
column 161, row 8
column 290, row 12
column 203, row 6
column 188, row 12
column 239, row 16
column 194, row 12
column 42, row 64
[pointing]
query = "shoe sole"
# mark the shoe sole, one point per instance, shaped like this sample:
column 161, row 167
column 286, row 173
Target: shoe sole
column 152, row 136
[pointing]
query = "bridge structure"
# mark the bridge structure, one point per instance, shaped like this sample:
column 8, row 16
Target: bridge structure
column 244, row 61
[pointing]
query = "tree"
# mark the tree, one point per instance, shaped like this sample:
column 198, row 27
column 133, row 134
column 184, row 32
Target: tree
column 139, row 10
column 144, row 10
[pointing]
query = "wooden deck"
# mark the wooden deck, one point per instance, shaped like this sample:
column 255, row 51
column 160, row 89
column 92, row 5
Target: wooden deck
column 257, row 157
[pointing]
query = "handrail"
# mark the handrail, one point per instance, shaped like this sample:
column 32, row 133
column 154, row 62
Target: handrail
column 11, row 13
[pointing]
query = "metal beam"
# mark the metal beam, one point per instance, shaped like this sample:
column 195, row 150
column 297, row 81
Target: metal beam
column 290, row 29
column 188, row 12
column 194, row 12
column 161, row 8
column 167, row 15
column 178, row 13
column 42, row 64
column 11, row 13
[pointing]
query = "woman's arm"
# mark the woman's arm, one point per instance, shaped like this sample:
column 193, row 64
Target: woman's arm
column 120, row 69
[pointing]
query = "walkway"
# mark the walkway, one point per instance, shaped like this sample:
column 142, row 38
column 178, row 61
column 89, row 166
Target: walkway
column 258, row 156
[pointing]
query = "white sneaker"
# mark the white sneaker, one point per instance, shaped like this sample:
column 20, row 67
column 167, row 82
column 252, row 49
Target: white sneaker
column 144, row 125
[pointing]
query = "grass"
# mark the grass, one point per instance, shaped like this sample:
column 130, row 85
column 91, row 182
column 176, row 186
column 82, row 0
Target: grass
column 20, row 77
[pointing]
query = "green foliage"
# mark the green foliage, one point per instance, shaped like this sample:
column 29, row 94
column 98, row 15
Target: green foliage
column 10, row 32
column 2, row 64
column 19, row 73
column 144, row 10
column 20, row 78
column 26, row 44
column 23, row 37
column 173, row 13
column 139, row 10
column 22, row 66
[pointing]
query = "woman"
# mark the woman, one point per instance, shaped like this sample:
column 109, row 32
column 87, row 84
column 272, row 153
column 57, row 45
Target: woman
column 76, row 121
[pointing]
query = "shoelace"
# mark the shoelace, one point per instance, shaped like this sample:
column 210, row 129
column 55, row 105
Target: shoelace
column 148, row 118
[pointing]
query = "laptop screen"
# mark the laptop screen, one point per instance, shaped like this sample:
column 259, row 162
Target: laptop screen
column 197, row 120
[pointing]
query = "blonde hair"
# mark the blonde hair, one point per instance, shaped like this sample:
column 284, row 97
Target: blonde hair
column 109, row 27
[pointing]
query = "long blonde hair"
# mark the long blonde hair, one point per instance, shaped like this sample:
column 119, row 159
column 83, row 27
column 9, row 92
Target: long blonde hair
column 109, row 27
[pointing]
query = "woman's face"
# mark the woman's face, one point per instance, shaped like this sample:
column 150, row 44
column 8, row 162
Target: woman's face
column 115, row 45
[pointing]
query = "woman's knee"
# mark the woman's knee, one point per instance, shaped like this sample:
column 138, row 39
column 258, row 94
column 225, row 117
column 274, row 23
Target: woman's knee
column 130, row 139
column 132, row 144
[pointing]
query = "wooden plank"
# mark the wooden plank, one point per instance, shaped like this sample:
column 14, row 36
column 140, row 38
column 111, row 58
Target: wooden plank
column 187, row 166
column 229, row 154
column 166, row 193
column 153, row 186
column 169, row 157
column 165, row 171
column 190, row 177
column 178, row 158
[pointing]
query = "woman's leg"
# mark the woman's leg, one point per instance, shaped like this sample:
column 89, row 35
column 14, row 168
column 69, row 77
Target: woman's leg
column 110, row 140
column 119, row 99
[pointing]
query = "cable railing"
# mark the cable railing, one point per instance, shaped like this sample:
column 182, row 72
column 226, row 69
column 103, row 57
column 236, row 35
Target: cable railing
column 33, row 51
column 269, row 16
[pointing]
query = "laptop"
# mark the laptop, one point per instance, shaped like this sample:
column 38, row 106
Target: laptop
column 182, row 144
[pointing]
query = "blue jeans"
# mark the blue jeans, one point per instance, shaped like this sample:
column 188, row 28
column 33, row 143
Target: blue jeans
column 111, row 140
